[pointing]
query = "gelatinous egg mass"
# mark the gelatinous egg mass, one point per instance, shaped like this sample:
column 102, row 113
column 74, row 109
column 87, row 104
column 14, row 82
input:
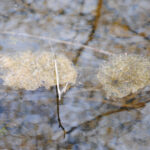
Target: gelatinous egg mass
column 30, row 70
column 124, row 74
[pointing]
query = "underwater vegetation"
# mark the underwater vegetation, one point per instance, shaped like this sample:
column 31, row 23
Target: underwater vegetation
column 124, row 74
column 31, row 70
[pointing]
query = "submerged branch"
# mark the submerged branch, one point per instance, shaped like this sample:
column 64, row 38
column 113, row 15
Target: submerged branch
column 58, row 114
column 99, row 117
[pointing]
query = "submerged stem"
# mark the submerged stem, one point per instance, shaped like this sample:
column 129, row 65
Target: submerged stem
column 58, row 114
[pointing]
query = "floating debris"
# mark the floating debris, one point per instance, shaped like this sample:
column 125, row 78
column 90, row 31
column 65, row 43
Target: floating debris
column 124, row 74
column 30, row 70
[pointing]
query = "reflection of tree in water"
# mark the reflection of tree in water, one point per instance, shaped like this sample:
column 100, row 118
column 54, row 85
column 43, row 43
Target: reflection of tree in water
column 95, row 21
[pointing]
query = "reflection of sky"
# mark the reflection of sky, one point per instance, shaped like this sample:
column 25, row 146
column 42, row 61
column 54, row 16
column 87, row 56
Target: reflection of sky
column 16, row 43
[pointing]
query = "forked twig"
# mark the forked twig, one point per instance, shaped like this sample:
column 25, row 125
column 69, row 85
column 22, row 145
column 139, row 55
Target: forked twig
column 58, row 91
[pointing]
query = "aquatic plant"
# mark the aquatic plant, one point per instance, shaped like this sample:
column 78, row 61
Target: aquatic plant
column 31, row 70
column 124, row 74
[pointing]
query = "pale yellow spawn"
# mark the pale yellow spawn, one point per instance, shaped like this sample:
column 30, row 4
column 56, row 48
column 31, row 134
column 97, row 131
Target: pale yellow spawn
column 30, row 70
column 124, row 74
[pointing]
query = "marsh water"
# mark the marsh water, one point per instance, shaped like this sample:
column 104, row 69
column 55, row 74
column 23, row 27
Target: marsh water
column 85, row 31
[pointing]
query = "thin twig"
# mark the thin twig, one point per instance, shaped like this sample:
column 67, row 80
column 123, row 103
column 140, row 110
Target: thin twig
column 58, row 114
column 58, row 91
column 57, row 79
column 64, row 89
column 56, row 40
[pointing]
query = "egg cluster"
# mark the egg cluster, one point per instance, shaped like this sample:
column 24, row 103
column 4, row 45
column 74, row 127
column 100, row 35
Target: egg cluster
column 31, row 70
column 124, row 74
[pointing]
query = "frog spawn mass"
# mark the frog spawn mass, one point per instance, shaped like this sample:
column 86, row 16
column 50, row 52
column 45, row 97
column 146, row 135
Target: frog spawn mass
column 124, row 74
column 30, row 70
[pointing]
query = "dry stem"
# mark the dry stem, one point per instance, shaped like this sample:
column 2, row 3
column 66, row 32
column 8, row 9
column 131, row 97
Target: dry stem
column 58, row 91
column 55, row 40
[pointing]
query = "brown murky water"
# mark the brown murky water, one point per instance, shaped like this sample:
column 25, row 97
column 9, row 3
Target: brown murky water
column 87, row 32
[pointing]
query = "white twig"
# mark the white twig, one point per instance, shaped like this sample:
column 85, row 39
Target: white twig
column 60, row 92
column 56, row 71
column 65, row 88
column 57, row 80
column 55, row 40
